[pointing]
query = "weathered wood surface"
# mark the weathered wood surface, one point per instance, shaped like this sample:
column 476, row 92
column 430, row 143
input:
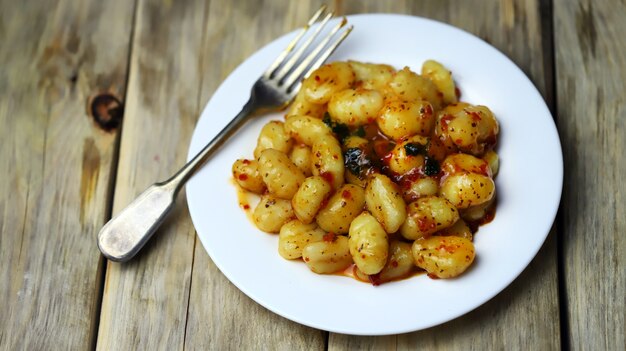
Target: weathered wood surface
column 144, row 303
column 591, row 76
column 62, row 173
column 56, row 165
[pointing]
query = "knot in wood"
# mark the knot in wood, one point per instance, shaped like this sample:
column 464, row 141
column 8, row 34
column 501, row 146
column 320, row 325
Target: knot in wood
column 106, row 109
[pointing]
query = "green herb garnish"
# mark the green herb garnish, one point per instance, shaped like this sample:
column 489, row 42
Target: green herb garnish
column 360, row 132
column 414, row 149
column 431, row 167
column 341, row 130
column 356, row 160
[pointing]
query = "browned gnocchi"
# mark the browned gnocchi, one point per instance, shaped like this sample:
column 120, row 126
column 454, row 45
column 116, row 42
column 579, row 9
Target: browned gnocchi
column 376, row 173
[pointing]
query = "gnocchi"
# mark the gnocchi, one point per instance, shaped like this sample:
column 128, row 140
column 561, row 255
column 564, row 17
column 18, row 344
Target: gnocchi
column 372, row 76
column 281, row 177
column 295, row 235
column 405, row 156
column 399, row 118
column 327, row 160
column 301, row 157
column 384, row 201
column 400, row 263
column 345, row 204
column 466, row 189
column 473, row 129
column 326, row 81
column 302, row 107
column 376, row 173
column 246, row 174
column 355, row 107
column 328, row 256
column 410, row 86
column 420, row 187
column 368, row 244
column 306, row 129
column 310, row 197
column 271, row 213
column 443, row 256
column 442, row 78
column 428, row 215
column 273, row 136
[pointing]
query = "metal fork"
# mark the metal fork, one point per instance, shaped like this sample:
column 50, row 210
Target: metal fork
column 124, row 235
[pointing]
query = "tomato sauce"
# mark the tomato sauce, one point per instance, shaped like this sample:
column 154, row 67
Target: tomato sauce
column 375, row 279
column 244, row 199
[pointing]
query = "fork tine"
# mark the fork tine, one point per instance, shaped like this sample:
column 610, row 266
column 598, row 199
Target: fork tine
column 328, row 52
column 306, row 63
column 296, row 56
column 293, row 43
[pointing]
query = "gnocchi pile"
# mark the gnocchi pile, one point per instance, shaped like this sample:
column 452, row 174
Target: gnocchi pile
column 376, row 173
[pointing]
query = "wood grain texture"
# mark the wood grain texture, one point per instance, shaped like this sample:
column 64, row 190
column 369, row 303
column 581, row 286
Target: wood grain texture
column 144, row 303
column 591, row 75
column 526, row 314
column 56, row 165
column 220, row 316
column 59, row 168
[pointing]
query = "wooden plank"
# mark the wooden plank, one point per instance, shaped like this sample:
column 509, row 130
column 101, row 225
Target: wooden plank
column 220, row 316
column 145, row 300
column 591, row 71
column 526, row 314
column 56, row 164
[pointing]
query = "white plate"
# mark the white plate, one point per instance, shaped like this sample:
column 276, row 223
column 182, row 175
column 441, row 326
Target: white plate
column 528, row 185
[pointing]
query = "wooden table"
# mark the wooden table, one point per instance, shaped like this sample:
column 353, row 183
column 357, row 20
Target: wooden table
column 98, row 99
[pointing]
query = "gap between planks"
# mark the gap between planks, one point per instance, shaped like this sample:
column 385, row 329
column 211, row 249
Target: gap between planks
column 103, row 263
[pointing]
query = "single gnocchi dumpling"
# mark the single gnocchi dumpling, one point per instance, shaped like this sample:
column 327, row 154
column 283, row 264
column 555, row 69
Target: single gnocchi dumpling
column 330, row 255
column 442, row 78
column 310, row 197
column 443, row 256
column 428, row 215
column 342, row 207
column 372, row 76
column 398, row 118
column 246, row 174
column 355, row 107
column 368, row 244
column 273, row 136
column 384, row 201
column 473, row 130
column 410, row 86
column 271, row 213
column 326, row 81
column 327, row 160
column 306, row 129
column 465, row 189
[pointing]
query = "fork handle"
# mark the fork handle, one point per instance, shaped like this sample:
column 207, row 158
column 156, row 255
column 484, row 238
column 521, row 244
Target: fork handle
column 192, row 166
column 124, row 235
